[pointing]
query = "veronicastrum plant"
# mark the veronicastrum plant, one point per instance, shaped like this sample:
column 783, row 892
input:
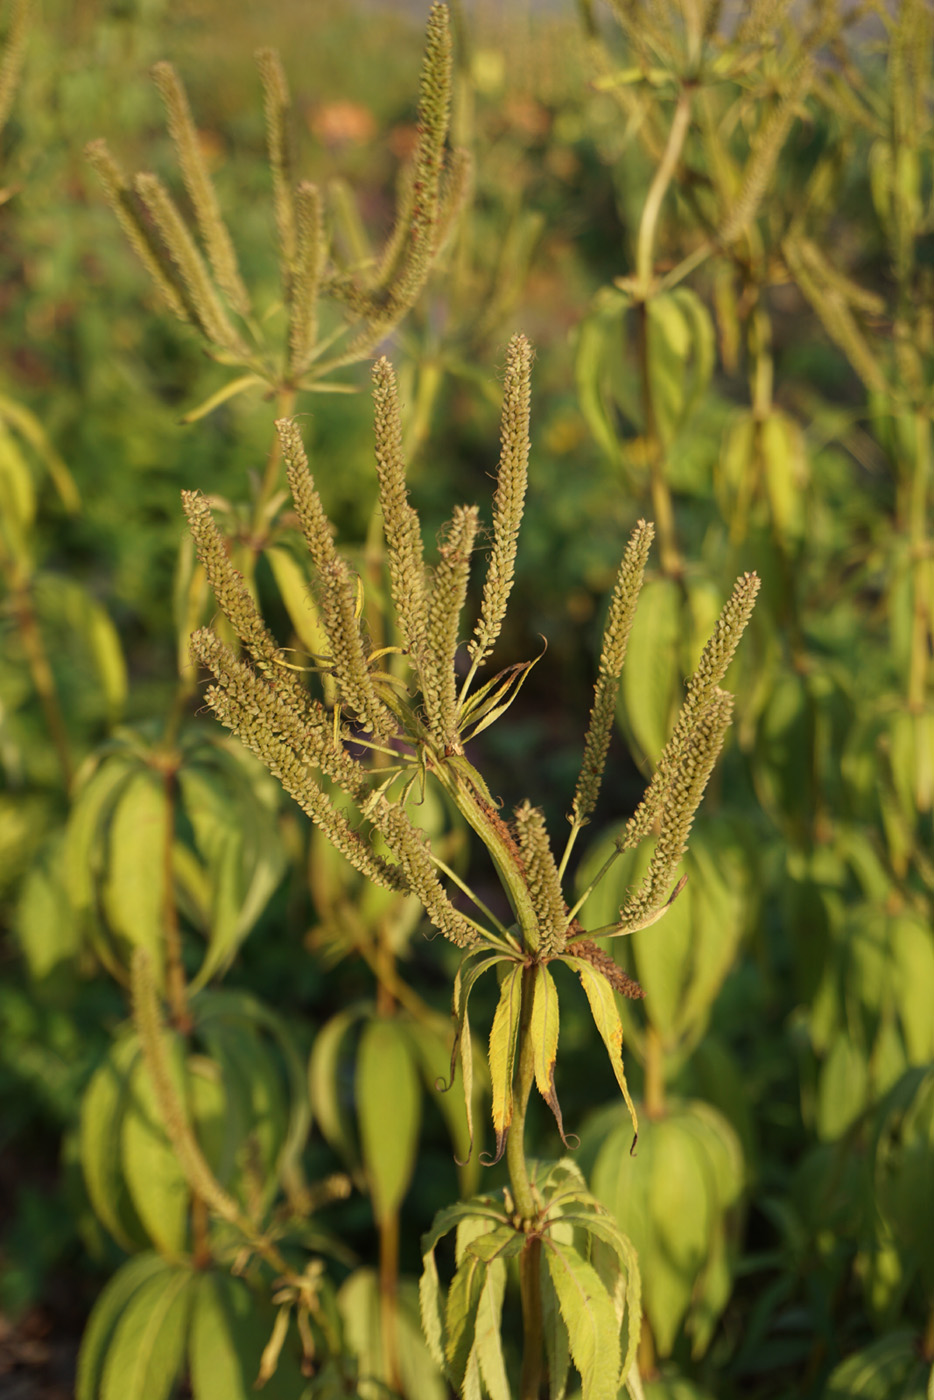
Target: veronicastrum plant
column 402, row 715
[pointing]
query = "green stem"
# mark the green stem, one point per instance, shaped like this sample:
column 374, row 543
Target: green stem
column 921, row 620
column 388, row 1291
column 645, row 245
column 39, row 668
column 526, row 1208
column 662, row 508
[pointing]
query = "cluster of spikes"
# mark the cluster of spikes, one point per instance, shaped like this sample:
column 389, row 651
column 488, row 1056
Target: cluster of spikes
column 371, row 292
column 402, row 714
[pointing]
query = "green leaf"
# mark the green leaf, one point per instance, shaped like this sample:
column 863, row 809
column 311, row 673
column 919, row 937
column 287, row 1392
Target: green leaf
column 557, row 1350
column 487, row 1349
column 651, row 684
column 503, row 1038
column 432, row 1052
column 31, row 430
column 590, row 1319
column 229, row 1329
column 239, row 1009
column 147, row 1350
column 324, row 1084
column 106, row 1314
column 90, row 812
column 103, row 1107
column 388, row 1099
column 544, row 1032
column 599, row 1223
column 463, row 1044
column 606, row 1019
column 223, row 395
column 46, row 924
column 842, row 1089
column 889, row 1369
column 155, row 1181
column 461, row 1315
column 295, row 590
column 502, row 1242
column 134, row 891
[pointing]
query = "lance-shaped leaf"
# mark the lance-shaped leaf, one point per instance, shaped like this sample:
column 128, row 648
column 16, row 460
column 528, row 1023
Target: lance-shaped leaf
column 590, row 1319
column 606, row 1019
column 503, row 1039
column 460, row 1315
column 598, row 1222
column 388, row 1109
column 544, row 1033
column 463, row 1045
column 486, row 705
column 486, row 1354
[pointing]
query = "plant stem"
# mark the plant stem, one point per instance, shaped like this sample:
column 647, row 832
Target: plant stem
column 39, row 668
column 662, row 508
column 388, row 1288
column 530, row 1285
column 654, row 1074
column 645, row 246
column 921, row 628
column 529, row 1264
column 175, row 989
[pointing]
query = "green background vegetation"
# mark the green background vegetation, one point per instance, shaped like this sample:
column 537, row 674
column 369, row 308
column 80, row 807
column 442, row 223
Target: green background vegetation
column 759, row 381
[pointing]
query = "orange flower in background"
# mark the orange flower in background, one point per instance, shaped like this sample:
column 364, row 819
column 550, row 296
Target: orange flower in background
column 342, row 123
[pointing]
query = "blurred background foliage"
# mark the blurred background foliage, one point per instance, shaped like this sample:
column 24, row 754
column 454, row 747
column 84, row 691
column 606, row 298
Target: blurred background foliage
column 753, row 368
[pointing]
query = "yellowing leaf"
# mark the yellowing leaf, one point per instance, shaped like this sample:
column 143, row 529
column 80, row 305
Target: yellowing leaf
column 606, row 1019
column 503, row 1037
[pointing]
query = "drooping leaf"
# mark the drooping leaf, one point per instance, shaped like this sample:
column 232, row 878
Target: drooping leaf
column 590, row 1319
column 103, row 1107
column 487, row 1347
column 503, row 1038
column 106, row 1314
column 327, row 1088
column 147, row 1350
column 155, row 1181
column 606, row 1019
column 134, row 890
column 388, row 1101
column 230, row 1326
column 544, row 1032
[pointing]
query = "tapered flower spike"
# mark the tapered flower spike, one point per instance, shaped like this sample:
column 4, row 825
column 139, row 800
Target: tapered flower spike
column 403, row 534
column 509, row 500
column 293, row 748
column 543, row 881
column 11, row 62
column 310, row 255
column 434, row 112
column 712, row 667
column 337, row 591
column 615, row 640
column 448, row 595
column 685, row 790
column 236, row 602
column 765, row 152
column 213, row 230
column 124, row 202
column 180, row 246
column 277, row 105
